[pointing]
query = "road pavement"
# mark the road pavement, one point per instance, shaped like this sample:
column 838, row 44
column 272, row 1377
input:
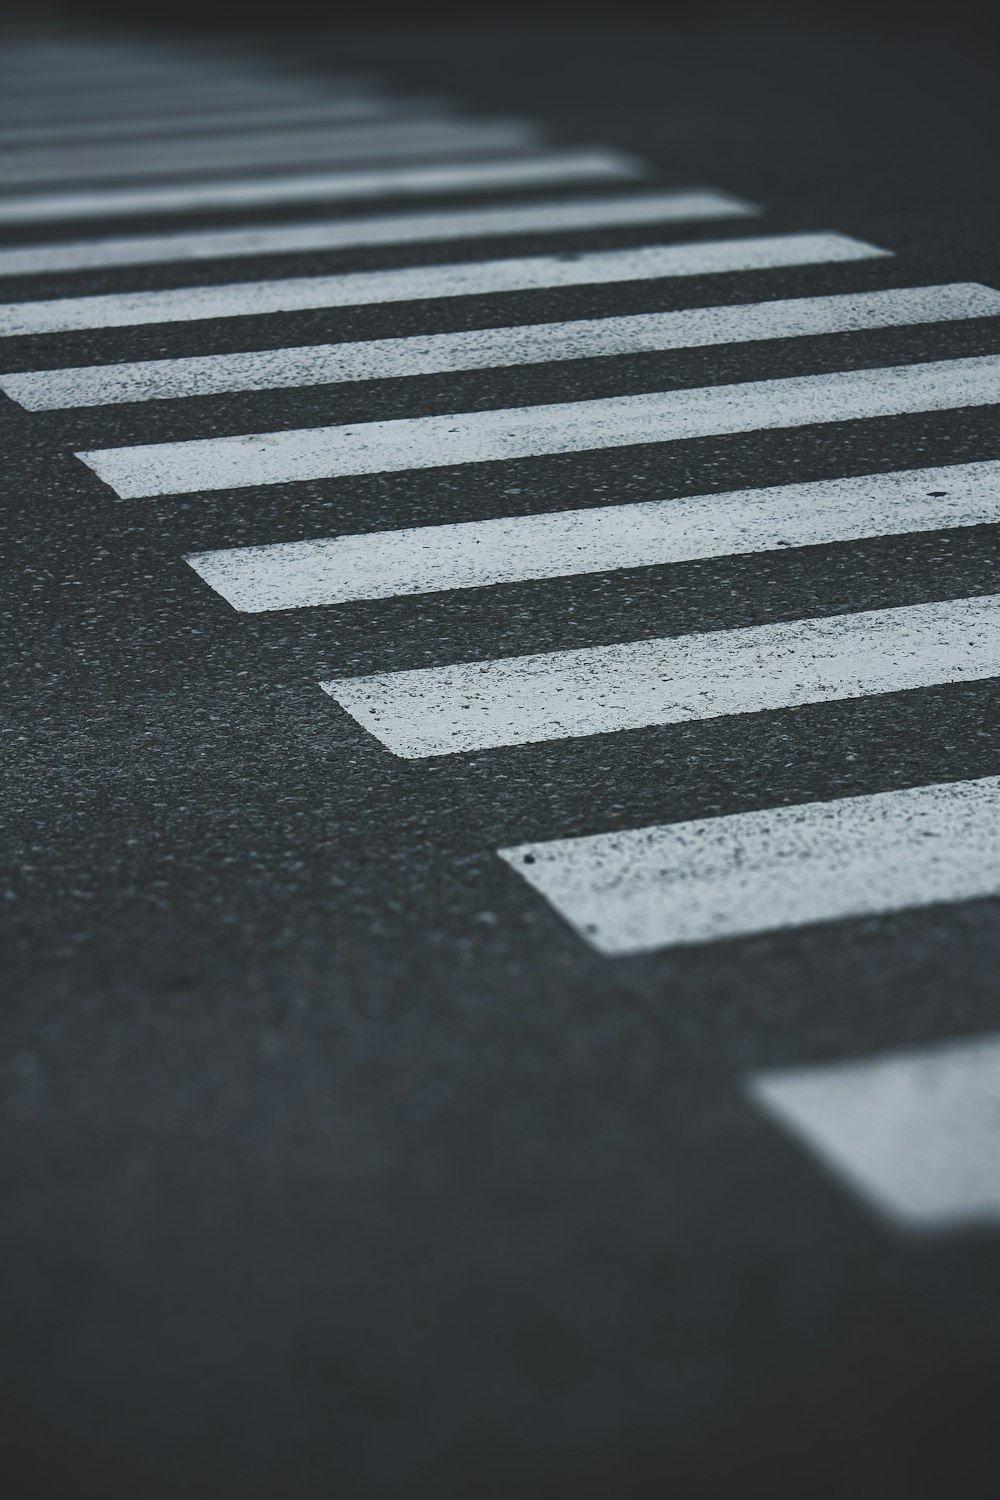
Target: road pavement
column 502, row 904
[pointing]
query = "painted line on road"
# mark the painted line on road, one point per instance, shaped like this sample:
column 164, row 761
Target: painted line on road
column 175, row 102
column 165, row 129
column 622, row 211
column 915, row 1134
column 549, row 168
column 520, row 700
column 289, row 457
column 725, row 877
column 561, row 544
column 492, row 348
column 387, row 141
column 65, row 102
column 417, row 283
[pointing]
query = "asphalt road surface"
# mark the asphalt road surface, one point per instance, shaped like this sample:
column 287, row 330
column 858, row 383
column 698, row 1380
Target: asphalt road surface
column 502, row 831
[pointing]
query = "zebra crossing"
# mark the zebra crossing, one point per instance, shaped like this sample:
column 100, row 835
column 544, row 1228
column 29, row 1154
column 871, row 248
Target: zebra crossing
column 199, row 138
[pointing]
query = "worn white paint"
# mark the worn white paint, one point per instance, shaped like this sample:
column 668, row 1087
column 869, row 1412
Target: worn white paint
column 538, row 169
column 387, row 141
column 620, row 210
column 915, row 1134
column 531, row 431
column 50, row 136
column 489, row 348
column 416, row 283
column 518, row 700
column 782, row 867
column 480, row 554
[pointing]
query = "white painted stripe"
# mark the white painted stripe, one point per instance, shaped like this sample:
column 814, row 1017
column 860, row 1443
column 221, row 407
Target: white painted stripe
column 234, row 144
column 480, row 554
column 677, row 207
column 915, row 1134
column 173, row 127
column 416, row 283
column 521, row 700
column 24, row 76
column 66, row 102
column 28, row 78
column 91, row 78
column 531, row 431
column 725, row 877
column 395, row 140
column 489, row 348
column 576, row 165
column 58, row 111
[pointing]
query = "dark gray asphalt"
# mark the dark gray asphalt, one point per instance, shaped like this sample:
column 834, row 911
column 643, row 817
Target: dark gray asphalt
column 337, row 1168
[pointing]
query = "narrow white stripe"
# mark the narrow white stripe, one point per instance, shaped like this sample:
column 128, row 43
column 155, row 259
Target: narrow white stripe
column 225, row 118
column 228, row 143
column 521, row 700
column 553, row 167
column 399, row 229
column 414, row 283
column 392, row 141
column 28, row 78
column 22, row 86
column 36, row 69
column 915, row 1134
column 488, row 348
column 98, row 101
column 478, row 554
column 726, row 877
column 530, row 431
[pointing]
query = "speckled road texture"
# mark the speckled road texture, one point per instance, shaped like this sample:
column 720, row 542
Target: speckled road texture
column 338, row 1165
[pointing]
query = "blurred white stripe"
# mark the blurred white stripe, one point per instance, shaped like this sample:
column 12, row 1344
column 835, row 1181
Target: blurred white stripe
column 575, row 165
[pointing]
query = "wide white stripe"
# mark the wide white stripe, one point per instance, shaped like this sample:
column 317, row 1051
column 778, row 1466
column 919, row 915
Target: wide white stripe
column 416, row 283
column 532, row 431
column 479, row 554
column 715, row 878
column 677, row 207
column 393, row 141
column 578, row 165
column 487, row 348
column 915, row 1134
column 521, row 700
column 90, row 133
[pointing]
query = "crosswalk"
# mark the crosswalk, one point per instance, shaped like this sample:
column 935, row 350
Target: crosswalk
column 622, row 211
column 453, row 279
column 493, row 348
column 109, row 134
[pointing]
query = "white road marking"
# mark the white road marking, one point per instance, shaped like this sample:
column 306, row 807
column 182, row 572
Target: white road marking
column 570, row 165
column 725, row 877
column 36, row 71
column 64, row 106
column 677, row 207
column 530, row 431
column 415, row 283
column 521, row 700
column 480, row 554
column 490, row 348
column 915, row 1134
column 91, row 133
column 388, row 141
